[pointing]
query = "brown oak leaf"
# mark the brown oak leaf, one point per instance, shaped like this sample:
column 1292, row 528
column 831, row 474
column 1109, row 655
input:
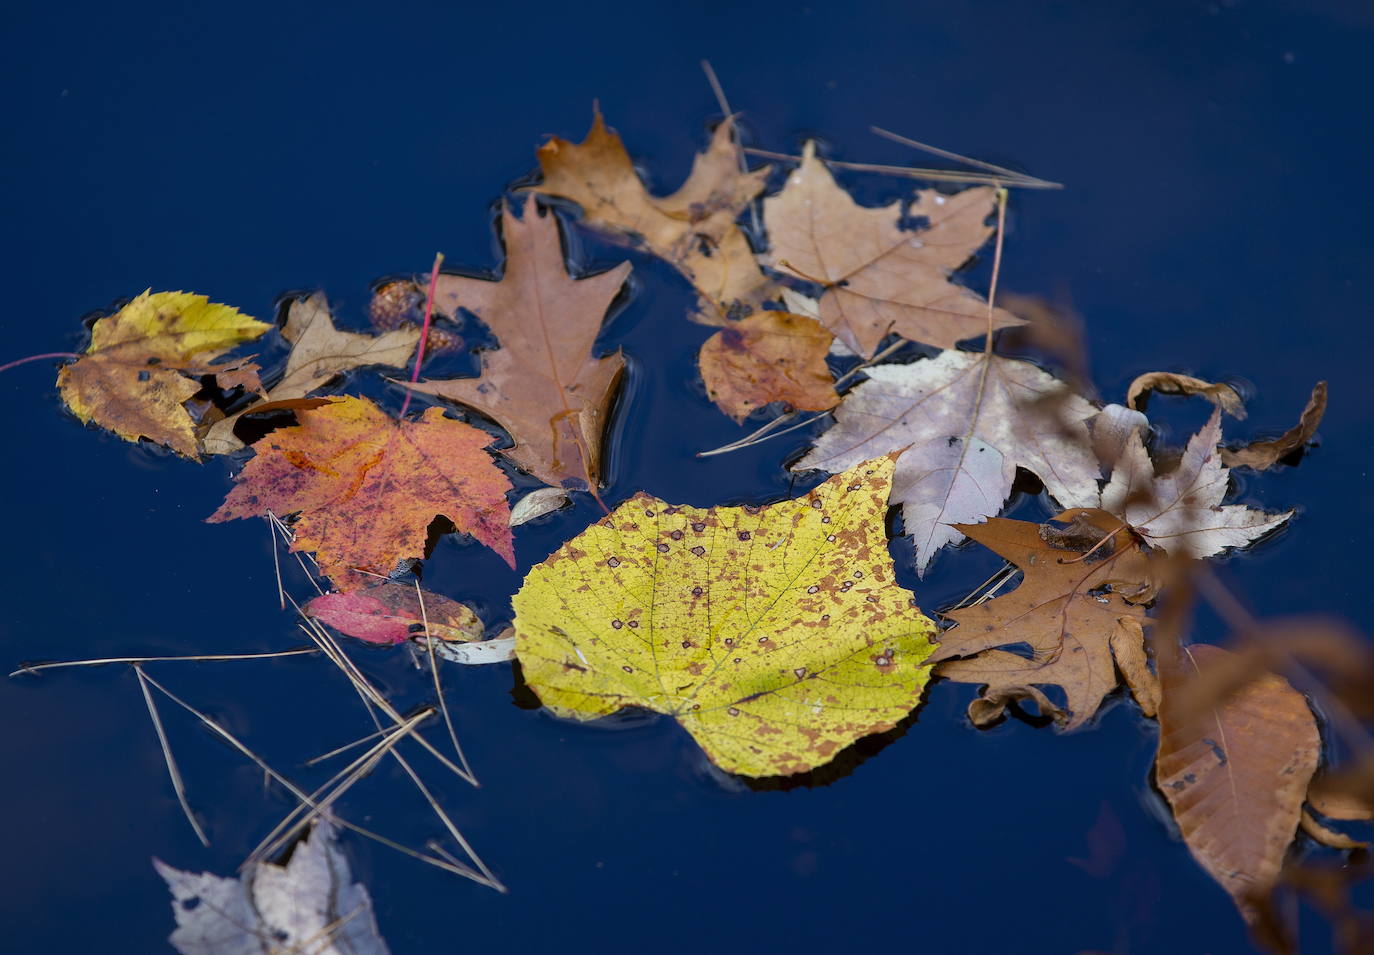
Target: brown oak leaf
column 543, row 384
column 1071, row 609
column 366, row 487
column 880, row 278
column 768, row 356
column 694, row 228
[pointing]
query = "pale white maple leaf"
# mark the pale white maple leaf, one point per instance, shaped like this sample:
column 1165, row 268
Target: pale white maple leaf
column 964, row 423
column 1181, row 512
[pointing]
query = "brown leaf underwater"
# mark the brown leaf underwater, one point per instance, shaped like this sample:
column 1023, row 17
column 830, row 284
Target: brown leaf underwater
column 543, row 385
column 768, row 356
column 693, row 229
column 1236, row 776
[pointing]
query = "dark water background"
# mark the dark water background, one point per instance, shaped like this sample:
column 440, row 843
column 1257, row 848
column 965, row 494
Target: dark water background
column 1216, row 221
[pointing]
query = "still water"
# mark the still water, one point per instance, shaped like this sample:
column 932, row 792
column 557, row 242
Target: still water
column 1214, row 221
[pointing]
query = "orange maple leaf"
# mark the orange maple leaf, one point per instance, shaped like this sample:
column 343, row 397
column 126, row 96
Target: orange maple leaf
column 366, row 487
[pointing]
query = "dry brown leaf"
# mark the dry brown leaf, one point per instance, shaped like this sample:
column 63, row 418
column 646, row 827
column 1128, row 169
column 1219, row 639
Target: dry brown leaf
column 694, row 229
column 880, row 278
column 1262, row 455
column 1328, row 836
column 1169, row 383
column 319, row 353
column 542, row 385
column 1235, row 776
column 768, row 356
column 1070, row 611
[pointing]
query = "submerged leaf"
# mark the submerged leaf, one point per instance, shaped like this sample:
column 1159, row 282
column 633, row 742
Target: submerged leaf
column 140, row 368
column 694, row 228
column 768, row 356
column 1181, row 511
column 391, row 612
column 310, row 906
column 1071, row 610
column 1236, row 775
column 964, row 422
column 543, row 384
column 319, row 353
column 367, row 486
column 878, row 277
column 775, row 635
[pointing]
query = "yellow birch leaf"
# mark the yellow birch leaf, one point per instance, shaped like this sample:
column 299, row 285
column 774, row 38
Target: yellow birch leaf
column 775, row 635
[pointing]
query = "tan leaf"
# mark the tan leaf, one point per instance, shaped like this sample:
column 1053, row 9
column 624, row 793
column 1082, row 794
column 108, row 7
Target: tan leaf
column 879, row 278
column 1069, row 610
column 319, row 353
column 694, row 228
column 1167, row 382
column 967, row 422
column 1262, row 455
column 1181, row 511
column 768, row 356
column 543, row 384
column 1235, row 777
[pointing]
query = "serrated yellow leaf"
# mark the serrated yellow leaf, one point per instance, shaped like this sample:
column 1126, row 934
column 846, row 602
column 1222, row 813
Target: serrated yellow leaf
column 775, row 635
column 138, row 371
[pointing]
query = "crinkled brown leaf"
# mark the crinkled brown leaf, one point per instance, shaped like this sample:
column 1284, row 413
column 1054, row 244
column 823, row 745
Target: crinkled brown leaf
column 880, row 279
column 1070, row 611
column 768, row 356
column 694, row 228
column 366, row 487
column 319, row 353
column 1235, row 776
column 543, row 384
column 1171, row 383
column 1262, row 455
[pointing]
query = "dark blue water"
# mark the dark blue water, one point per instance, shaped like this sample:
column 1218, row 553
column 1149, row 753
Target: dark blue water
column 1216, row 221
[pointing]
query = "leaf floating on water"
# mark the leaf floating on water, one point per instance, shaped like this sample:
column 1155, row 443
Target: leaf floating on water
column 694, row 229
column 775, row 635
column 1170, row 383
column 537, row 503
column 543, row 384
column 1236, row 775
column 964, row 422
column 310, row 906
column 319, row 353
column 1071, row 609
column 367, row 486
column 768, row 356
column 878, row 277
column 1181, row 511
column 391, row 612
column 143, row 362
column 1262, row 455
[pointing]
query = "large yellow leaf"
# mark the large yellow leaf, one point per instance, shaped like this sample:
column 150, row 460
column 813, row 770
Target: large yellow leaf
column 776, row 635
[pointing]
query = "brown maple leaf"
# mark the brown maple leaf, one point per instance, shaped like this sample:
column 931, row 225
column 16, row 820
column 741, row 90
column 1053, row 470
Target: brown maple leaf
column 542, row 385
column 694, row 228
column 880, row 278
column 1071, row 609
column 366, row 487
column 768, row 356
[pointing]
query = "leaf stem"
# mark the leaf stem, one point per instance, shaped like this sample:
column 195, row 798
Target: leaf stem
column 24, row 361
column 424, row 330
